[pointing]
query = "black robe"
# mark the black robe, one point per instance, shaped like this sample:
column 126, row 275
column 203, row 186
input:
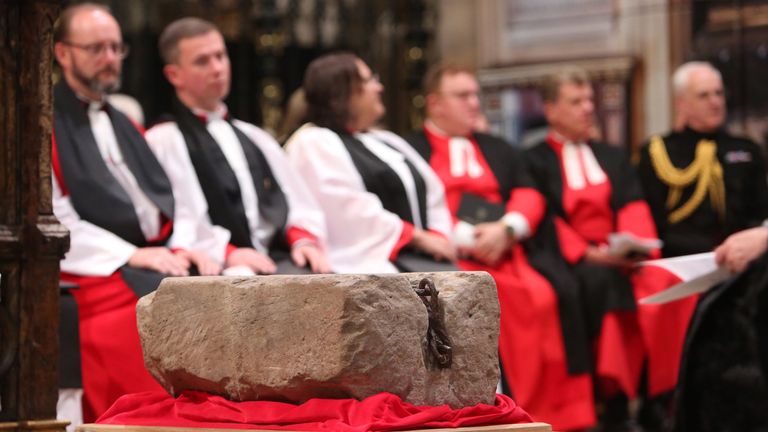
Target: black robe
column 745, row 190
column 95, row 193
column 723, row 382
column 220, row 185
column 509, row 167
column 381, row 180
column 601, row 288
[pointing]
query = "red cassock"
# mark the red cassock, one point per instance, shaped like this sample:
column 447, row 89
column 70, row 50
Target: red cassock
column 595, row 193
column 531, row 342
column 110, row 350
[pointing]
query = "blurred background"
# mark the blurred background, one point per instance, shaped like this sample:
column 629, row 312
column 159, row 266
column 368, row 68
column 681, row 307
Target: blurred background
column 630, row 47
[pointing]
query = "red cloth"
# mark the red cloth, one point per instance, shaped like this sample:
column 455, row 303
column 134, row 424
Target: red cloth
column 110, row 350
column 664, row 328
column 530, row 340
column 381, row 412
column 294, row 234
column 406, row 235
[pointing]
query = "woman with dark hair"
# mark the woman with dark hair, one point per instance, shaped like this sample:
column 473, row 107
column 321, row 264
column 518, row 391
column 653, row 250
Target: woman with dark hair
column 384, row 206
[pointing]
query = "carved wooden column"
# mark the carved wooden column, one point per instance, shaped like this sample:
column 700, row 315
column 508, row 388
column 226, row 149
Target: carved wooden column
column 31, row 240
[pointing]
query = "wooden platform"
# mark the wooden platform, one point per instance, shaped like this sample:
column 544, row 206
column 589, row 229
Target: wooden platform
column 522, row 427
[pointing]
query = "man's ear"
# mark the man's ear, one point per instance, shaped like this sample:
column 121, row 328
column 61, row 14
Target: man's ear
column 431, row 101
column 171, row 72
column 59, row 50
column 548, row 110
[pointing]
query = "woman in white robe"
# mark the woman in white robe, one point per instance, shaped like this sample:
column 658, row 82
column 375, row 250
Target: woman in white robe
column 382, row 201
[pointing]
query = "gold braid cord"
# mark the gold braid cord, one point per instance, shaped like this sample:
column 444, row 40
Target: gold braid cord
column 705, row 171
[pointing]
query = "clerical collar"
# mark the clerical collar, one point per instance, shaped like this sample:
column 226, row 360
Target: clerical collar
column 557, row 138
column 92, row 105
column 435, row 130
column 220, row 113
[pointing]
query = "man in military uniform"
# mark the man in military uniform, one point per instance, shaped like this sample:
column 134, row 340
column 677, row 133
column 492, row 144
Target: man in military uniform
column 702, row 183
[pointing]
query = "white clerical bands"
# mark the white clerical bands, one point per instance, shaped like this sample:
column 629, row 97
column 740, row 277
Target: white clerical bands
column 463, row 158
column 581, row 167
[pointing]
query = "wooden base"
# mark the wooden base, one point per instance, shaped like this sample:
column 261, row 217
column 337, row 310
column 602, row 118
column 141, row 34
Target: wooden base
column 522, row 427
column 35, row 425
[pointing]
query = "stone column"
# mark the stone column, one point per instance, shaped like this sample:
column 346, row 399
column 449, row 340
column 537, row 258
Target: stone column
column 31, row 240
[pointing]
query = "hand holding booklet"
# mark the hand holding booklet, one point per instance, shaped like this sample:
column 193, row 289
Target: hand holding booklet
column 624, row 244
column 698, row 274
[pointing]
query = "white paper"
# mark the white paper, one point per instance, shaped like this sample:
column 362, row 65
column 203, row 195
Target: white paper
column 682, row 290
column 623, row 243
column 698, row 273
column 687, row 267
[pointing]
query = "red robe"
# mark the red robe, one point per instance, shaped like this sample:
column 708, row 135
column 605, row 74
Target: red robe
column 588, row 213
column 531, row 342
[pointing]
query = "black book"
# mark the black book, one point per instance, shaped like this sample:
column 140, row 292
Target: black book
column 474, row 209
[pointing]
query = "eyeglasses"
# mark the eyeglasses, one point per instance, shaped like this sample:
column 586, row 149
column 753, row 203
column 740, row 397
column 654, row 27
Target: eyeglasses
column 96, row 49
column 463, row 95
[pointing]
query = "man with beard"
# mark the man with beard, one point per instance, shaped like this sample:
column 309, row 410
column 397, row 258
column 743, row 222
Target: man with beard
column 112, row 195
column 232, row 172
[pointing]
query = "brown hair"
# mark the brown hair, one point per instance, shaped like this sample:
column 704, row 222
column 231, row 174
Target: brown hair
column 63, row 24
column 434, row 76
column 183, row 28
column 329, row 82
column 550, row 90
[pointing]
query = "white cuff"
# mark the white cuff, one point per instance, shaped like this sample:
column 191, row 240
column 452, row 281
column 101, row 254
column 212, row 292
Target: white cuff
column 519, row 225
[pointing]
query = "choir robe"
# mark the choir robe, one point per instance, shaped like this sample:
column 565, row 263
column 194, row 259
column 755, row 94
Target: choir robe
column 367, row 231
column 302, row 219
column 533, row 351
column 104, row 233
column 746, row 192
column 594, row 194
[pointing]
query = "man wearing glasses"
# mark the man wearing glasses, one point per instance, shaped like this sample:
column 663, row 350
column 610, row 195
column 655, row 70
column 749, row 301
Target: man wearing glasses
column 495, row 210
column 116, row 201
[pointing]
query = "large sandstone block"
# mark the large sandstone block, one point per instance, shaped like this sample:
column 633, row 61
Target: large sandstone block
column 292, row 338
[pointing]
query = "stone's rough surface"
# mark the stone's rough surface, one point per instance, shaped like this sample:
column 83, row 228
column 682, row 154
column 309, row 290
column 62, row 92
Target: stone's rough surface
column 471, row 315
column 292, row 338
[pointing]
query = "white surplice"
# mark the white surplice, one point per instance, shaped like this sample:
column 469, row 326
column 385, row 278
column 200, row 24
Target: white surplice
column 167, row 143
column 361, row 233
column 95, row 251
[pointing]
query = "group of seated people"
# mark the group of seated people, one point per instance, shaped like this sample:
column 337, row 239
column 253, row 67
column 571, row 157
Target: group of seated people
column 206, row 194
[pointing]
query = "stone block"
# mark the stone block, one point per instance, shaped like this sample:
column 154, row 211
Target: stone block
column 292, row 338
